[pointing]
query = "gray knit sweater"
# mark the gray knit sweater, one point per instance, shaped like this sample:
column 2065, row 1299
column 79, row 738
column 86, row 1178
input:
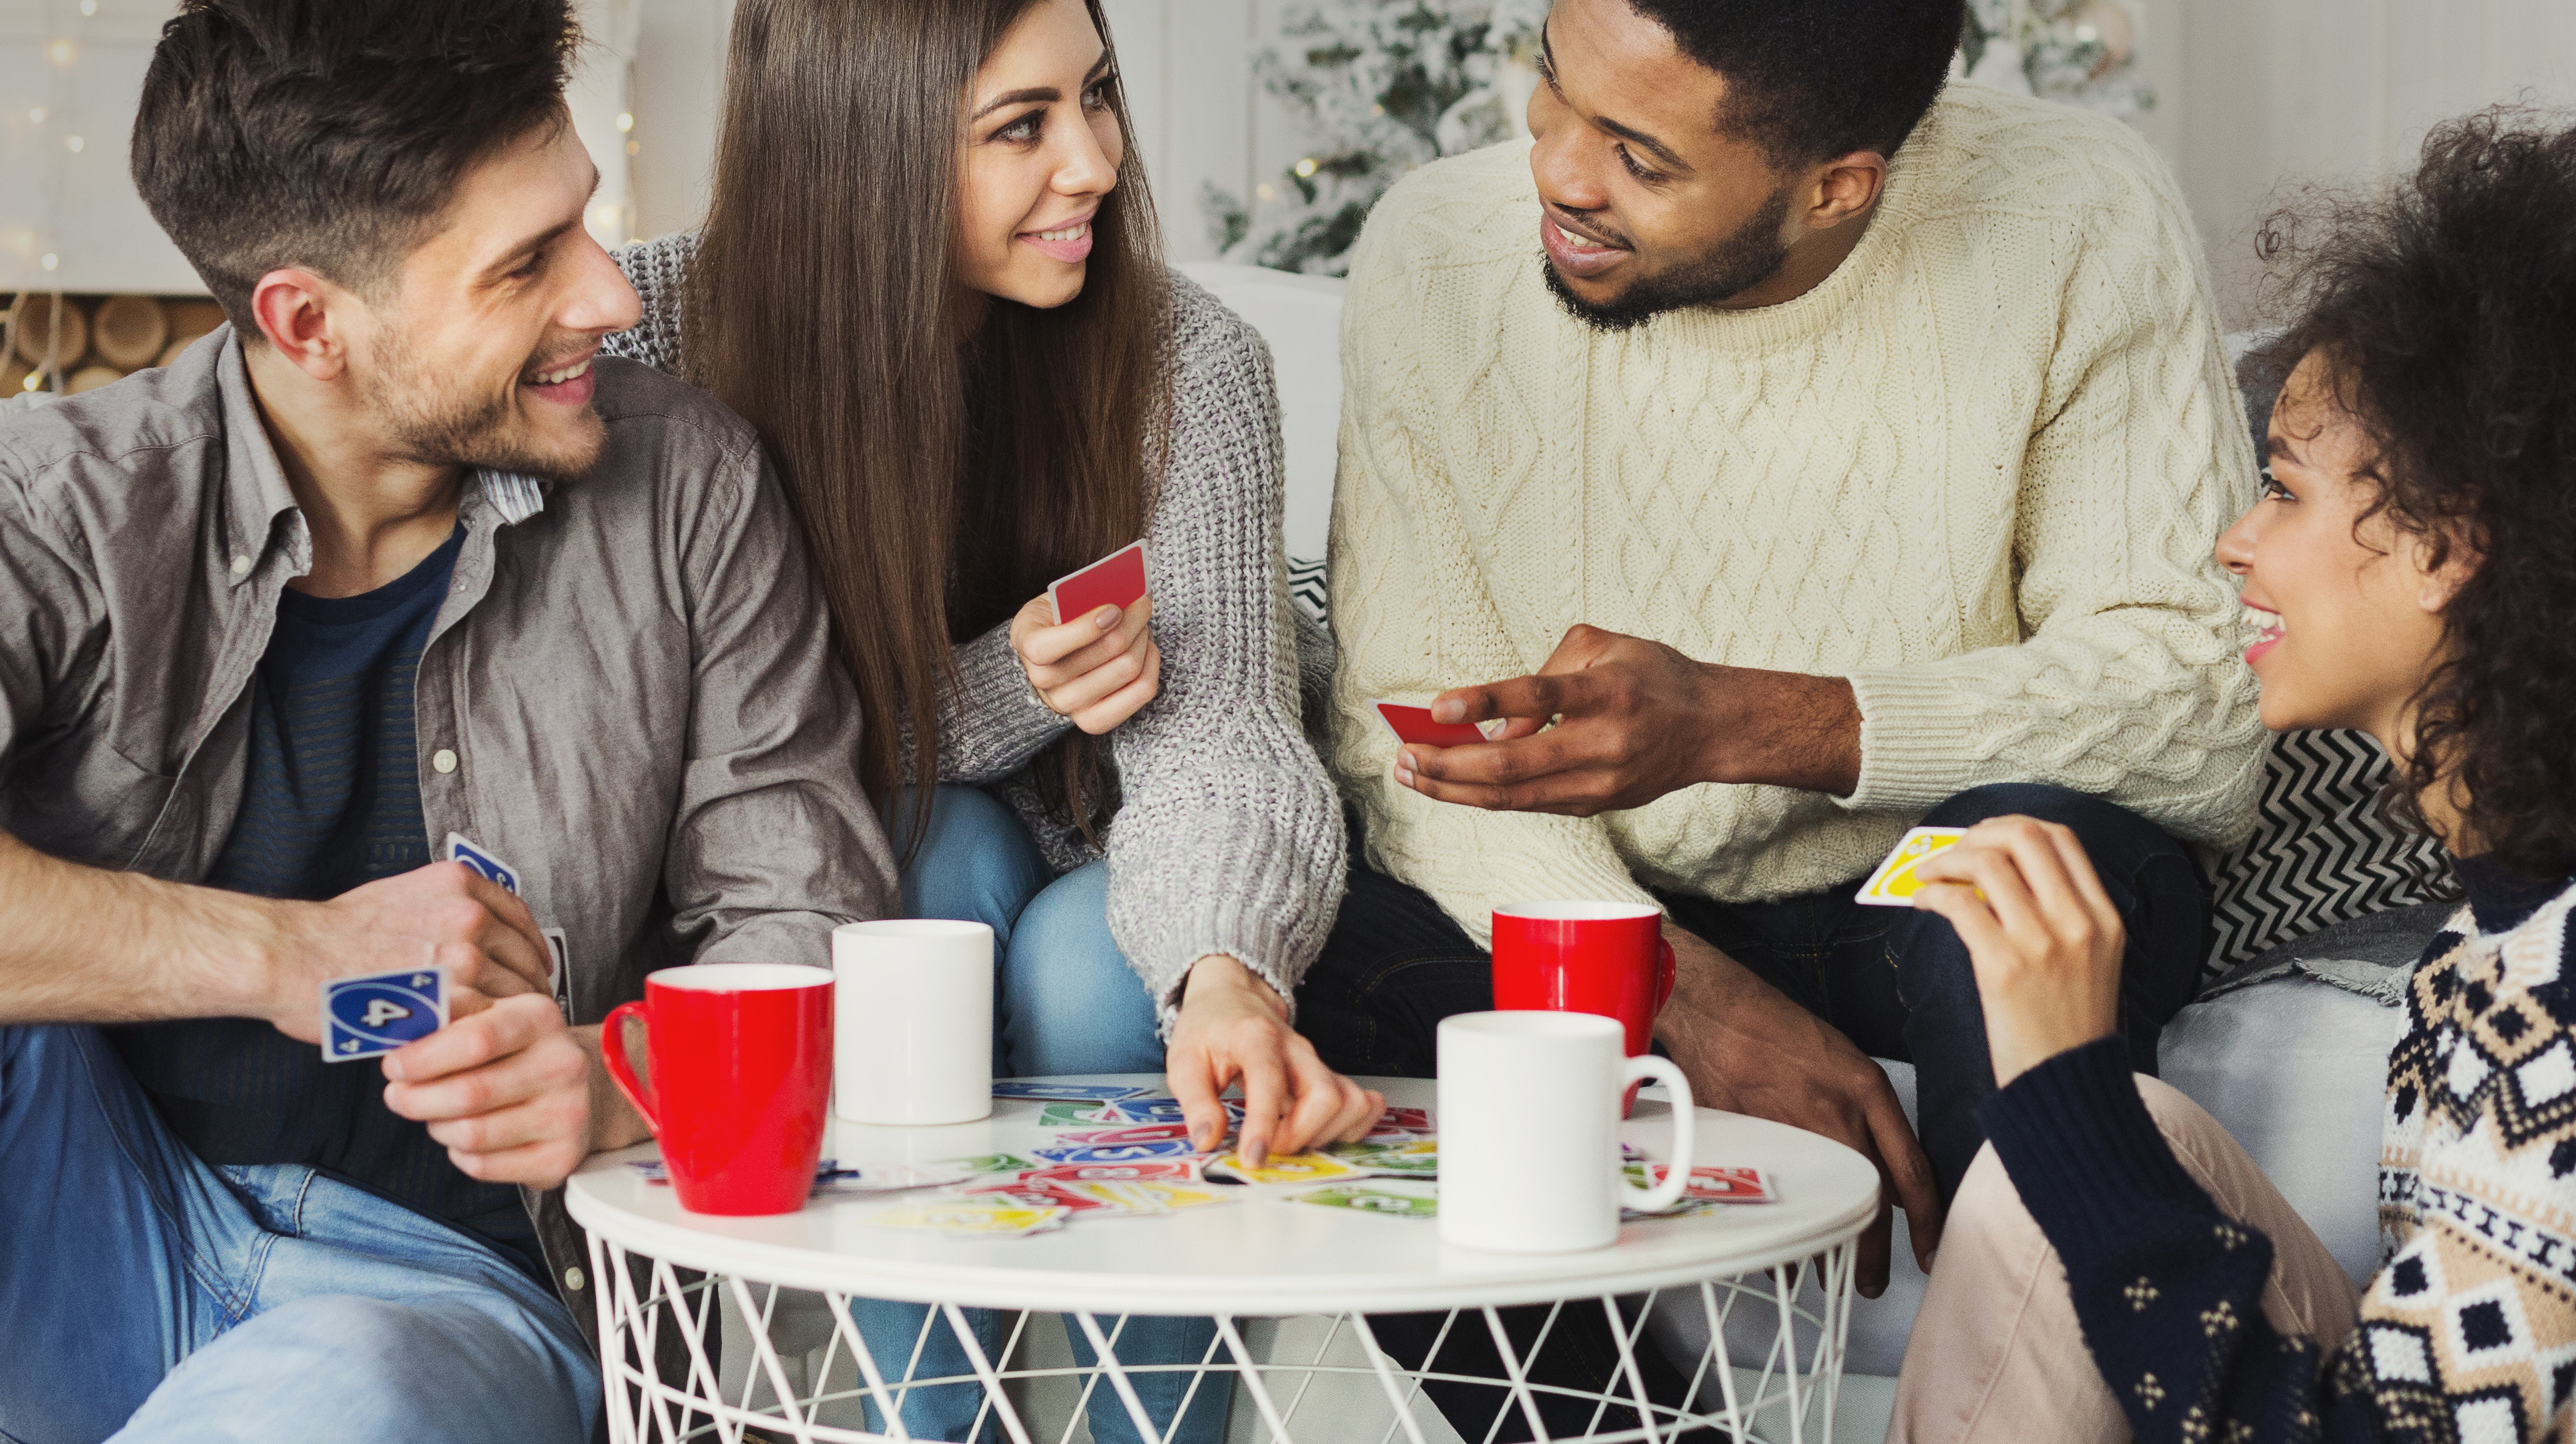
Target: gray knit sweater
column 1228, row 838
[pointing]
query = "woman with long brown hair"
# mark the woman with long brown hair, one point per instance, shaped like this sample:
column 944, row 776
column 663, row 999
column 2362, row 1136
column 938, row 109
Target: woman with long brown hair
column 930, row 276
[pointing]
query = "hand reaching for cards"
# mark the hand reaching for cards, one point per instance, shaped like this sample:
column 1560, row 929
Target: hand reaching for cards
column 440, row 916
column 504, row 1086
column 1096, row 669
column 1748, row 1049
column 2044, row 939
column 1634, row 720
column 1234, row 1027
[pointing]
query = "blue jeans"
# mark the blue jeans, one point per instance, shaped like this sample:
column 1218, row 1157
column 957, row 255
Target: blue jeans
column 1065, row 1002
column 146, row 1294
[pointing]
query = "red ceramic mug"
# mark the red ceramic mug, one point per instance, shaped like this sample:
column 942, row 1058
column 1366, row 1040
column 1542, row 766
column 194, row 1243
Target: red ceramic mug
column 1585, row 957
column 742, row 1080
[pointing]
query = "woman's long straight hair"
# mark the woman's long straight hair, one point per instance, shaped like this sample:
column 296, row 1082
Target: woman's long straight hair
column 944, row 470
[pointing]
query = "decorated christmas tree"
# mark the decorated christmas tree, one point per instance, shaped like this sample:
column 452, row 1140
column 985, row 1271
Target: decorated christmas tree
column 1382, row 86
column 1379, row 86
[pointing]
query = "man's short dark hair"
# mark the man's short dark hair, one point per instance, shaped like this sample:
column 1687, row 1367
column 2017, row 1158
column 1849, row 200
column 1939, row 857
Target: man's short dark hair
column 1811, row 79
column 330, row 134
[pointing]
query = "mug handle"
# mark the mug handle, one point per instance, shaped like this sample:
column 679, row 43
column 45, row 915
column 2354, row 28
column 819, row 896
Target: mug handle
column 1669, row 1192
column 1666, row 967
column 612, row 1051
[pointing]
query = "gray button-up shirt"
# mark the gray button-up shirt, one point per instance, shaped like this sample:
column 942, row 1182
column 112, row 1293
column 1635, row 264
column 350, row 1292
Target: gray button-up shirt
column 629, row 693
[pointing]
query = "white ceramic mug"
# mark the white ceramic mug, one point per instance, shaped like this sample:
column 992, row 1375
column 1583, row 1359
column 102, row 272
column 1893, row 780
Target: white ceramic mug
column 1529, row 1131
column 913, row 1034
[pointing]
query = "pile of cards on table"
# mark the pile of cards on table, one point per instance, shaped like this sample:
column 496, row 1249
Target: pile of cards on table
column 1120, row 1152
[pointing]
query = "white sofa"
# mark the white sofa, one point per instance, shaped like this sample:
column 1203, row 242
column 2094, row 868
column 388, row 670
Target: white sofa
column 2293, row 1065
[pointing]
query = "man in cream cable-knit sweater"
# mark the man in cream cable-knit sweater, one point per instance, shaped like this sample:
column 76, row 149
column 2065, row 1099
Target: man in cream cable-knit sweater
column 1825, row 493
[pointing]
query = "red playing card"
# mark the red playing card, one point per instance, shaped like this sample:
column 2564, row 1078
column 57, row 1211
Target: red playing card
column 1110, row 1137
column 1720, row 1184
column 1416, row 1119
column 1414, row 724
column 1163, row 1170
column 1115, row 580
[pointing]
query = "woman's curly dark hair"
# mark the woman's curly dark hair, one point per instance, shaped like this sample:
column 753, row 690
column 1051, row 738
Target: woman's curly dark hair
column 2443, row 310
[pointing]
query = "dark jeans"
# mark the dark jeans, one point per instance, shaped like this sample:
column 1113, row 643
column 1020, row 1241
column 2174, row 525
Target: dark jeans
column 1896, row 982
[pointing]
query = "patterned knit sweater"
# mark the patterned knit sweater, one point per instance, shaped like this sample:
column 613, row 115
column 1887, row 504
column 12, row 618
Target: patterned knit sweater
column 1979, row 471
column 2467, row 1334
column 1228, row 838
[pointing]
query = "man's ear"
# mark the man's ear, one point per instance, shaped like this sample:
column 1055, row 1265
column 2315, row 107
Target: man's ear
column 294, row 310
column 1845, row 188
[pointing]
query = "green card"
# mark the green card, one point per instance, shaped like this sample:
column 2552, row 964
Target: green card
column 1361, row 1198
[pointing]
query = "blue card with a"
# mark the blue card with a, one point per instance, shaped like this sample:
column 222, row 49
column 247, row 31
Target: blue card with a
column 1062, row 1092
column 475, row 855
column 377, row 1013
column 1117, row 1152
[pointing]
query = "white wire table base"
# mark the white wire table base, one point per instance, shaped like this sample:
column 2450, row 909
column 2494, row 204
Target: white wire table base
column 646, row 1305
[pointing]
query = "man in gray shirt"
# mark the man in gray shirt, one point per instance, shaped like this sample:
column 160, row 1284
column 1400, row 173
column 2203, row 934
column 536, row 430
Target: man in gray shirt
column 391, row 556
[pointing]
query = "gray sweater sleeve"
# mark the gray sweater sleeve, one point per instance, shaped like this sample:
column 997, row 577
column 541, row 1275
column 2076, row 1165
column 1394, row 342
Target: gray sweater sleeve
column 1229, row 838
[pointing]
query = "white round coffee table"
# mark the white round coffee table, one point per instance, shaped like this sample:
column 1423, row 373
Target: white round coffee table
column 1263, row 1257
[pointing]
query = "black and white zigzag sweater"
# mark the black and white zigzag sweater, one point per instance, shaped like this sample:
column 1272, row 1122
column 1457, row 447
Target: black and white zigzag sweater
column 2467, row 1333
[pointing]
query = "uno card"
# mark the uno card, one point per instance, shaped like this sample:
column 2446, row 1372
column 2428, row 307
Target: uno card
column 1116, row 1152
column 1296, row 1168
column 1414, row 724
column 559, row 971
column 1417, row 1120
column 1111, row 1137
column 1894, row 884
column 965, row 1216
column 362, row 1017
column 475, row 855
column 1708, row 1184
column 1115, row 580
column 1142, row 1196
column 1417, row 1158
column 1043, row 1195
column 1063, row 1092
column 1151, row 1170
column 1080, row 1115
column 1394, row 1202
column 993, row 1163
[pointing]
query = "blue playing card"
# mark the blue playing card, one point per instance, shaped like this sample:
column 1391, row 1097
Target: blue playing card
column 1062, row 1092
column 365, row 1016
column 1117, row 1152
column 466, row 850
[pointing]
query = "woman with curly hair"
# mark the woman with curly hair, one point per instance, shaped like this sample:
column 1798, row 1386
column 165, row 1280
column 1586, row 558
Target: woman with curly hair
column 2410, row 569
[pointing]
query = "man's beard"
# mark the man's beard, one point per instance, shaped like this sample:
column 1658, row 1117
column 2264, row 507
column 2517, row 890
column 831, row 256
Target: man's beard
column 1739, row 262
column 434, row 425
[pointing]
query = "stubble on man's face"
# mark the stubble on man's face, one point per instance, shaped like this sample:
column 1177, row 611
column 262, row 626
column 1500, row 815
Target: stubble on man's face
column 433, row 417
column 1734, row 264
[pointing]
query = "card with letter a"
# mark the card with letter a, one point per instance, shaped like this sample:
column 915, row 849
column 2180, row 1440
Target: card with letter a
column 1894, row 884
column 377, row 1013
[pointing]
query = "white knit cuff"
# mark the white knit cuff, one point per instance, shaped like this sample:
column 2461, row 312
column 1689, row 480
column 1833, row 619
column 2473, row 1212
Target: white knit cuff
column 1918, row 741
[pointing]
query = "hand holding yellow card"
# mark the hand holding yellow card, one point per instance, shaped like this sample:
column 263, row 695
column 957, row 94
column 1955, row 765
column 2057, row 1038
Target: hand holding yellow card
column 1895, row 884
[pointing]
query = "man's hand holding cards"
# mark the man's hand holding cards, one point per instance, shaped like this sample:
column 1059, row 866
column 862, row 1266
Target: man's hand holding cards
column 467, row 1029
column 1087, row 645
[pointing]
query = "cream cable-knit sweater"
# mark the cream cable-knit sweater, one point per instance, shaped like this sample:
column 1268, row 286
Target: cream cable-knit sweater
column 1228, row 838
column 1979, row 471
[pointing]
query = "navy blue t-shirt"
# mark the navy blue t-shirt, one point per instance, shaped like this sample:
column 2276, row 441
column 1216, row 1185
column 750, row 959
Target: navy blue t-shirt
column 331, row 800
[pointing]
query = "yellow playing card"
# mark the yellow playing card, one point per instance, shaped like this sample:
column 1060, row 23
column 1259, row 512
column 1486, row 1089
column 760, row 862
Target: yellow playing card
column 1895, row 884
column 985, row 1216
column 1297, row 1168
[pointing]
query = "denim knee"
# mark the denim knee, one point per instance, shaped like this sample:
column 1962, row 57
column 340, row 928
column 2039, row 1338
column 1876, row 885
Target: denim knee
column 1070, row 1002
column 975, row 864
